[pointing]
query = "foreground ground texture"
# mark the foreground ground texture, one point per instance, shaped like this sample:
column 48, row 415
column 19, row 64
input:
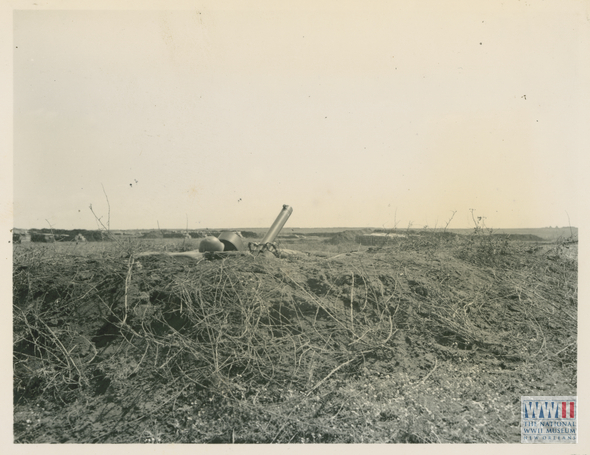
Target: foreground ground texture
column 428, row 339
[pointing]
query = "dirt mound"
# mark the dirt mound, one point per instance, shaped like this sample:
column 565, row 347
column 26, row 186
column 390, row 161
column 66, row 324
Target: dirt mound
column 347, row 236
column 156, row 349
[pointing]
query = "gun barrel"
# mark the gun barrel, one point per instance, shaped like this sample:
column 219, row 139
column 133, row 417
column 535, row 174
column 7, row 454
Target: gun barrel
column 276, row 227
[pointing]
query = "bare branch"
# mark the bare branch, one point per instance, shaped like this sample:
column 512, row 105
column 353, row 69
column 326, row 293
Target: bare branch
column 109, row 208
column 450, row 219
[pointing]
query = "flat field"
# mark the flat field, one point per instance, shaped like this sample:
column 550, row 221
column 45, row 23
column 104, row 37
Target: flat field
column 431, row 338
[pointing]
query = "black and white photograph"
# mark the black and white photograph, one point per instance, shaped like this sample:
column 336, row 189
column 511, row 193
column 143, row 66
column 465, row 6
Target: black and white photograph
column 296, row 222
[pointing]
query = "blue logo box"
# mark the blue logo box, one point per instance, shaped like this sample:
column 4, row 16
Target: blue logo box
column 548, row 420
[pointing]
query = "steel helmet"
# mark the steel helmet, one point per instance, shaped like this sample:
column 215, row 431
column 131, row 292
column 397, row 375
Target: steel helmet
column 210, row 244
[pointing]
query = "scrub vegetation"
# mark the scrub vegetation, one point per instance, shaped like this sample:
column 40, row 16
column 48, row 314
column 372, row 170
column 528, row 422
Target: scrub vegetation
column 428, row 338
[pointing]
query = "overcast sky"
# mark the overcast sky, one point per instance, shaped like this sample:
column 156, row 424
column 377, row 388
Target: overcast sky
column 367, row 114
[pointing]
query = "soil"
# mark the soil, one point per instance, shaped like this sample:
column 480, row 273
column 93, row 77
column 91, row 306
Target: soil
column 428, row 339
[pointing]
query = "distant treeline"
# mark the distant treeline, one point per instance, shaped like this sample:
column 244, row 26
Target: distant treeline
column 64, row 235
column 70, row 235
column 196, row 234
